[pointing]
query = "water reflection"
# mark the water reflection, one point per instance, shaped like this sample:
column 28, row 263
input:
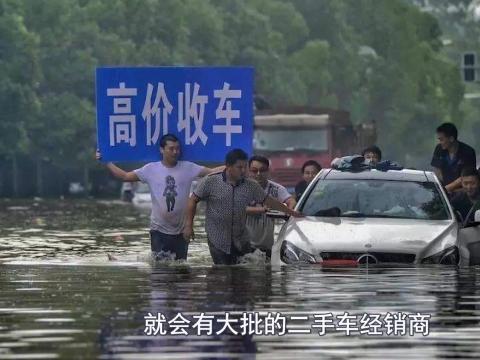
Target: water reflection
column 192, row 291
column 72, row 302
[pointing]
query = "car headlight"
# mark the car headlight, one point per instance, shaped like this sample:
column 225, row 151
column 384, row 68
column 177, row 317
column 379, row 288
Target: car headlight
column 449, row 256
column 291, row 254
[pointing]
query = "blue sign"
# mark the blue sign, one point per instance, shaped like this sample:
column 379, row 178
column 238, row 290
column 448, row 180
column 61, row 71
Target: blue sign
column 210, row 109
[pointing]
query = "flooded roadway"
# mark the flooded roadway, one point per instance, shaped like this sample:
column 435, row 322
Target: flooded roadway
column 60, row 296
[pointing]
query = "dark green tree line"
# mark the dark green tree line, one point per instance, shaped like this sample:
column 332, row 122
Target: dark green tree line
column 380, row 60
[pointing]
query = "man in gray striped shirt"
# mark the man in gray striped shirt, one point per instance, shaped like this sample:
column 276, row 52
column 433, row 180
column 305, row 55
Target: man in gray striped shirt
column 227, row 195
column 261, row 227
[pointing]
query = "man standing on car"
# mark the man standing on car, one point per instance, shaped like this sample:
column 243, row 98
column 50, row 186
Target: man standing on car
column 466, row 202
column 169, row 181
column 261, row 227
column 227, row 195
column 451, row 157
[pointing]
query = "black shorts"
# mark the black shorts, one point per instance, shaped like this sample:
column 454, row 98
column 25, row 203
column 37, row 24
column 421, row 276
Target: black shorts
column 162, row 244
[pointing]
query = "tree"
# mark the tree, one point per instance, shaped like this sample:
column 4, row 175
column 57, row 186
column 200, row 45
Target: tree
column 19, row 74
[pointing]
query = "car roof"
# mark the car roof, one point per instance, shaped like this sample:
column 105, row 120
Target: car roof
column 373, row 174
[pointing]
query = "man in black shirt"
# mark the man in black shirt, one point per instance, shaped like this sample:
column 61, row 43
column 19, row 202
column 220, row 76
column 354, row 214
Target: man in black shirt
column 468, row 200
column 451, row 157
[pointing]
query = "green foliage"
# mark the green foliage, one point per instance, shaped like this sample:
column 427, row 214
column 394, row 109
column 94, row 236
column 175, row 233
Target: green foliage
column 461, row 34
column 380, row 60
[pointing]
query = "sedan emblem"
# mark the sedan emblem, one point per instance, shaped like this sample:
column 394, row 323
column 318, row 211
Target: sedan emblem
column 288, row 162
column 367, row 259
column 368, row 246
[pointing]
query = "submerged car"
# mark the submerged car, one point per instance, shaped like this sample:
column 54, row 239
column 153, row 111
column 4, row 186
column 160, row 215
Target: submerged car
column 371, row 216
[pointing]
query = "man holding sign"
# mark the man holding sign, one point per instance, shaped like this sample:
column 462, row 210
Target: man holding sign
column 210, row 109
column 169, row 181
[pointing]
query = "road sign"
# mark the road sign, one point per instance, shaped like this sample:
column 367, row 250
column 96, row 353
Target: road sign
column 210, row 109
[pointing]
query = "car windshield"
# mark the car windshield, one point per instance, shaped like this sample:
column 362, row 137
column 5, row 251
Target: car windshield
column 376, row 199
column 142, row 188
column 282, row 140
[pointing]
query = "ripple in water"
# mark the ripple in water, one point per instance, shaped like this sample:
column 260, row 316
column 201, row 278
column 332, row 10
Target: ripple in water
column 61, row 297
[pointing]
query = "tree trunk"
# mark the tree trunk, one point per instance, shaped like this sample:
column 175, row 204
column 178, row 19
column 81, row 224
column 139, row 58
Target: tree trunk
column 15, row 176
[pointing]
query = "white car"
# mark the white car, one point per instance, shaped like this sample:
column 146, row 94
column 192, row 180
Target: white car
column 141, row 196
column 371, row 216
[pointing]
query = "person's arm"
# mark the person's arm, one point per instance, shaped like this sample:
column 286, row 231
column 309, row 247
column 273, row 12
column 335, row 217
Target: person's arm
column 201, row 193
column 207, row 171
column 123, row 175
column 291, row 203
column 454, row 185
column 277, row 205
column 285, row 197
column 119, row 173
column 256, row 210
column 189, row 216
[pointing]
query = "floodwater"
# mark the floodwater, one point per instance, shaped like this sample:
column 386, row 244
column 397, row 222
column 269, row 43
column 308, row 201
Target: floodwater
column 61, row 297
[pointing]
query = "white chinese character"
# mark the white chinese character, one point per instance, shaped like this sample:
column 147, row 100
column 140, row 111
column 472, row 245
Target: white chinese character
column 160, row 108
column 122, row 127
column 192, row 106
column 323, row 321
column 179, row 323
column 224, row 111
column 299, row 331
column 395, row 324
column 347, row 323
column 250, row 324
column 154, row 325
column 203, row 324
column 227, row 321
column 274, row 322
column 371, row 324
column 419, row 323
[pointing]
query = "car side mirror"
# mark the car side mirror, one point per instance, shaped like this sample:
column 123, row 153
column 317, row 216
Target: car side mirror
column 477, row 216
column 476, row 220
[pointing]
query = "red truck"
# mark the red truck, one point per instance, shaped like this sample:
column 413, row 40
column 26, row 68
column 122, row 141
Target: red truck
column 290, row 136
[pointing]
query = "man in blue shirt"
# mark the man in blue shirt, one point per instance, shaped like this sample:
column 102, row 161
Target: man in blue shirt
column 451, row 157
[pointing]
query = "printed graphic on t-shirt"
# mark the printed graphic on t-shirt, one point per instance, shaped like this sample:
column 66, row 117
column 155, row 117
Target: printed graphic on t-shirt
column 170, row 192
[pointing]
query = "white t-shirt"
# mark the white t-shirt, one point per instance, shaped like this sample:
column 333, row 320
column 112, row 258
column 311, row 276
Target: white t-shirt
column 170, row 189
column 277, row 191
column 261, row 227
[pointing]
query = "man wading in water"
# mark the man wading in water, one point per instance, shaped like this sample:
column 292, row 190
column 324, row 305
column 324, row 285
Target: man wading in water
column 259, row 225
column 169, row 180
column 227, row 195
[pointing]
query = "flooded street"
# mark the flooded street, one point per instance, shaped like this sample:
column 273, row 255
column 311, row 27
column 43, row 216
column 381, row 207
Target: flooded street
column 61, row 297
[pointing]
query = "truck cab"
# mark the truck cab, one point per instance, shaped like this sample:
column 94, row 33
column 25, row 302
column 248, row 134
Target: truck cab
column 288, row 137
